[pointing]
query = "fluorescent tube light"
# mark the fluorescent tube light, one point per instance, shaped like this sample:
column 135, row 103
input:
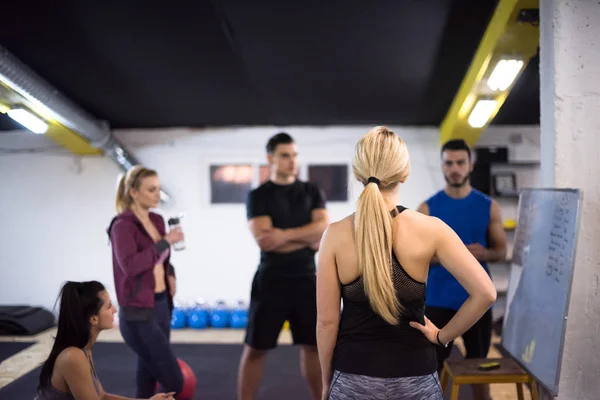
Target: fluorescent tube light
column 481, row 113
column 28, row 120
column 504, row 74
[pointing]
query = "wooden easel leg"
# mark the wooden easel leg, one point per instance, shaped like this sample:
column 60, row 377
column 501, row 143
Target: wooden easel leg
column 534, row 389
column 444, row 379
column 520, row 391
column 454, row 393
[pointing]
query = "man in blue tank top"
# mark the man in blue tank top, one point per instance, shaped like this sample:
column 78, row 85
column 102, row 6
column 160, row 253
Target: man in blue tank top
column 477, row 220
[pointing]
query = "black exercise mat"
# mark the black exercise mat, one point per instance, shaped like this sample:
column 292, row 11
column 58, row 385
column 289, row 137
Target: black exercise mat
column 9, row 349
column 215, row 366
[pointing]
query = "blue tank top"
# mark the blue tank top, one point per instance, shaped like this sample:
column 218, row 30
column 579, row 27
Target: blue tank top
column 469, row 218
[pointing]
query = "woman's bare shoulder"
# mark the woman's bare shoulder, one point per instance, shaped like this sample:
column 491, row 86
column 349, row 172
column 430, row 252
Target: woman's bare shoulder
column 337, row 230
column 71, row 357
column 416, row 216
column 419, row 223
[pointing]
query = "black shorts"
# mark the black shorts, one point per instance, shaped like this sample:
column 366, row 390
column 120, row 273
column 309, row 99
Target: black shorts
column 477, row 339
column 274, row 300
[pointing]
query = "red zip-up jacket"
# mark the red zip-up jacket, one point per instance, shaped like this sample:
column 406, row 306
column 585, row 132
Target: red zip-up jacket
column 134, row 256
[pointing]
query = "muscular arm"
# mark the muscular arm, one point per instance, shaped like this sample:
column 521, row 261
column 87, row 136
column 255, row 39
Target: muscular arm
column 260, row 226
column 289, row 239
column 497, row 236
column 328, row 305
column 312, row 232
column 424, row 209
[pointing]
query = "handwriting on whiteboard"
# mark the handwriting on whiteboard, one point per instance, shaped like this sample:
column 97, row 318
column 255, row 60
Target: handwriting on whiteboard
column 559, row 243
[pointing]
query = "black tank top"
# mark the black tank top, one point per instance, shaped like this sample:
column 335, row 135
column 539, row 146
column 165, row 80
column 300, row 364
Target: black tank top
column 368, row 345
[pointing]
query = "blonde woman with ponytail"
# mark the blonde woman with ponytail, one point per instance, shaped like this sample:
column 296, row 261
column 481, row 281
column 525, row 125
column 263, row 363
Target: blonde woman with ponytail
column 145, row 280
column 381, row 345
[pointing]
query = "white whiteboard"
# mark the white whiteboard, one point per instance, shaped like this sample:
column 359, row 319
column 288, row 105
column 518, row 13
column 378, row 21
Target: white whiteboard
column 540, row 281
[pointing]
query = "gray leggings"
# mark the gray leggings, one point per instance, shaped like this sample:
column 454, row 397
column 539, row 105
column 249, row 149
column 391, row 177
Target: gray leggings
column 349, row 387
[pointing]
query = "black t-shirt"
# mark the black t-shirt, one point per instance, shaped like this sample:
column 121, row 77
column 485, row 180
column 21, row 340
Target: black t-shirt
column 289, row 206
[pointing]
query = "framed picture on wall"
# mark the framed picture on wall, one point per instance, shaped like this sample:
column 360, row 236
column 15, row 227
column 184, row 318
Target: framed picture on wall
column 264, row 173
column 230, row 183
column 331, row 179
column 505, row 184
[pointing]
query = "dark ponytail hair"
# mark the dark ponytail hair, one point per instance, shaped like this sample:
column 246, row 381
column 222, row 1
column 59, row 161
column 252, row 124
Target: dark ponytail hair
column 79, row 301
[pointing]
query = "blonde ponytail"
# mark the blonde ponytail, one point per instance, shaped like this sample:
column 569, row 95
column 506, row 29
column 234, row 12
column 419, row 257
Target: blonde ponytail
column 380, row 163
column 122, row 201
column 373, row 228
column 131, row 180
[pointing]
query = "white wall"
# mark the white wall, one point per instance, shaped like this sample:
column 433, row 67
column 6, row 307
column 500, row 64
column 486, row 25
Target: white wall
column 55, row 207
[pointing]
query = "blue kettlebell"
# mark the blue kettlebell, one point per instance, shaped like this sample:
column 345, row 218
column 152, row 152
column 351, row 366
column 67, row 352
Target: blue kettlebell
column 198, row 316
column 239, row 316
column 219, row 318
column 178, row 318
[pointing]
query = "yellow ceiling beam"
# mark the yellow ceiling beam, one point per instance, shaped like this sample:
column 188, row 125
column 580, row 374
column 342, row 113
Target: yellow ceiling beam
column 71, row 140
column 504, row 38
column 56, row 131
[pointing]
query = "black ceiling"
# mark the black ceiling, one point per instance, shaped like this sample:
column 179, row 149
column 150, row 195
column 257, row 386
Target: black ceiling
column 240, row 62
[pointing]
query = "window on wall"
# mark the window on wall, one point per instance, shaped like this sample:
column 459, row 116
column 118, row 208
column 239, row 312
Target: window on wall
column 230, row 183
column 331, row 179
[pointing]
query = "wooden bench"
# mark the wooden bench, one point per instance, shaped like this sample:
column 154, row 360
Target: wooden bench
column 466, row 372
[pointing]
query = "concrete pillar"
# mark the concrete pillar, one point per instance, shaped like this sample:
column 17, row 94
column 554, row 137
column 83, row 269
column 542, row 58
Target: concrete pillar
column 570, row 155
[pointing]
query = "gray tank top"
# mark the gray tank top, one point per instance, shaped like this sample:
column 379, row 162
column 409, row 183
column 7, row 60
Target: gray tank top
column 53, row 393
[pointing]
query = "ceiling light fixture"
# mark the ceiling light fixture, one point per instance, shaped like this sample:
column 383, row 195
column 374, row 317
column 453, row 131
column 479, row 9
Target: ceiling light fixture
column 504, row 74
column 481, row 113
column 28, row 120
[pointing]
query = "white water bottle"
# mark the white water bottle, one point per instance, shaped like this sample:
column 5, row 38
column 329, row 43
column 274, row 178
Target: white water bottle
column 175, row 222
